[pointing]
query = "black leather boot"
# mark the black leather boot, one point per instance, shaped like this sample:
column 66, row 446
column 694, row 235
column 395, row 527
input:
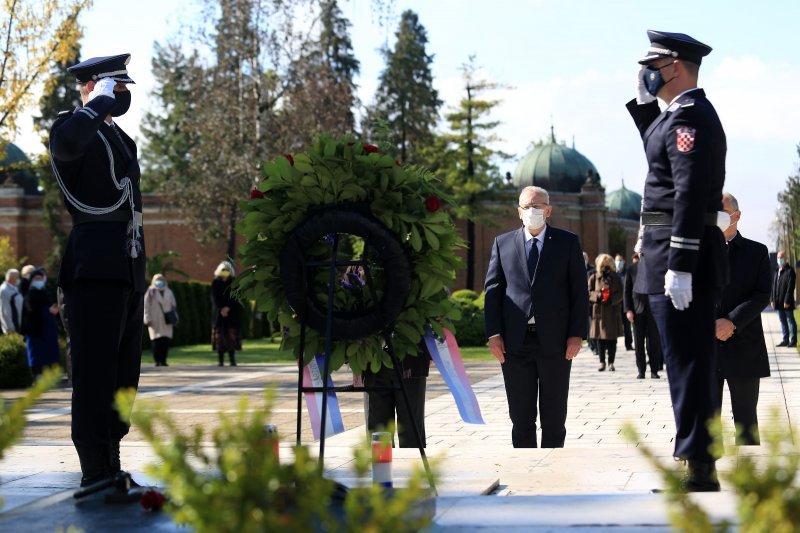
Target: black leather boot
column 232, row 357
column 221, row 356
column 94, row 465
column 114, row 462
column 701, row 477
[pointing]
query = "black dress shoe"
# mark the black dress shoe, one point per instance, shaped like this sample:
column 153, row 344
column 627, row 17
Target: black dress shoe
column 629, row 348
column 792, row 345
column 654, row 375
column 701, row 477
column 783, row 343
column 640, row 375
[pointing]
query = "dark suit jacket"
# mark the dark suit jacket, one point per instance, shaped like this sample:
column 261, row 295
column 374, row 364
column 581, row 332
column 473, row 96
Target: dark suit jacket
column 685, row 148
column 97, row 250
column 632, row 301
column 558, row 297
column 743, row 299
column 783, row 285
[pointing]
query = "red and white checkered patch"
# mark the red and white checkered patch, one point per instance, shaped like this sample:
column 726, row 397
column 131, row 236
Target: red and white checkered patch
column 685, row 138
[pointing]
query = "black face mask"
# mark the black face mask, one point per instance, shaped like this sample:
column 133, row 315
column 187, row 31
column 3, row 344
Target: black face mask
column 606, row 270
column 122, row 102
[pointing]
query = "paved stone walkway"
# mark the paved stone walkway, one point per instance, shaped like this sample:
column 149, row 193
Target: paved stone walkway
column 589, row 482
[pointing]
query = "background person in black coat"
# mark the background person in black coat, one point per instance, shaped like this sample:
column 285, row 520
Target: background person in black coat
column 782, row 299
column 742, row 352
column 536, row 310
column 622, row 271
column 645, row 331
column 226, row 313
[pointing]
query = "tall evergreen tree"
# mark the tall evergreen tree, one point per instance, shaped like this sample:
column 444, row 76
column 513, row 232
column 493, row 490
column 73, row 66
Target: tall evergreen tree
column 465, row 157
column 59, row 94
column 406, row 99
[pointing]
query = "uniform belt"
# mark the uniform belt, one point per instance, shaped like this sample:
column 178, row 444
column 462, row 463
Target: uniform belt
column 114, row 216
column 657, row 218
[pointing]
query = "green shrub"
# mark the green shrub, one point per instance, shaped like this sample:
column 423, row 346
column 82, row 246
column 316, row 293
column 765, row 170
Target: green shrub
column 470, row 329
column 464, row 294
column 14, row 370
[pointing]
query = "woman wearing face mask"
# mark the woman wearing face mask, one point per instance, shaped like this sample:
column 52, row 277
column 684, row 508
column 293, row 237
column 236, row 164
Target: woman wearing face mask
column 39, row 324
column 159, row 300
column 605, row 294
column 226, row 314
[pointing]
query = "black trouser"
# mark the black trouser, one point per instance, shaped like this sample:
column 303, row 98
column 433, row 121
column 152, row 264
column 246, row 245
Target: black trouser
column 606, row 346
column 626, row 328
column 62, row 313
column 105, row 329
column 160, row 349
column 380, row 406
column 744, row 404
column 645, row 336
column 531, row 374
column 689, row 346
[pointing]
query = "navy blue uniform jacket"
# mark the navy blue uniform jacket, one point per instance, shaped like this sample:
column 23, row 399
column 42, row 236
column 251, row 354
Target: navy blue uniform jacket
column 96, row 250
column 558, row 297
column 743, row 299
column 685, row 148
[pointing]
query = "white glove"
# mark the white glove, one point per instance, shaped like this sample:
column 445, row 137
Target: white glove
column 638, row 246
column 104, row 87
column 678, row 286
column 642, row 96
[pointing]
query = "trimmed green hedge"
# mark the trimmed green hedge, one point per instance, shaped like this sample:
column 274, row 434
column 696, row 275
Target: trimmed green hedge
column 14, row 370
column 470, row 330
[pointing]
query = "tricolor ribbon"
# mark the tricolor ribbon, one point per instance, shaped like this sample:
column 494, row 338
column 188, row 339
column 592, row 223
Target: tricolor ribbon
column 447, row 357
column 312, row 377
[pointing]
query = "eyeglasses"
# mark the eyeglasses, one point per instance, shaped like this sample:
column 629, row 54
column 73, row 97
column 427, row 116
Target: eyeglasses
column 533, row 206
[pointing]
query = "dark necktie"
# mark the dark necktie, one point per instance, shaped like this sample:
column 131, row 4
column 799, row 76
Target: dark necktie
column 533, row 257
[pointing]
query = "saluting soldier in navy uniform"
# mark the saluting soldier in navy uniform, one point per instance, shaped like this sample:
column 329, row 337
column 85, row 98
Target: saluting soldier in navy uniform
column 683, row 267
column 102, row 270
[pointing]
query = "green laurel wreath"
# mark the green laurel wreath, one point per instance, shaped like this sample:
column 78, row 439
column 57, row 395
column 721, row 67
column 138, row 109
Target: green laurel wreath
column 405, row 199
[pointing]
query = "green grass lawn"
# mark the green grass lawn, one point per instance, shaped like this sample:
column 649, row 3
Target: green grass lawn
column 268, row 351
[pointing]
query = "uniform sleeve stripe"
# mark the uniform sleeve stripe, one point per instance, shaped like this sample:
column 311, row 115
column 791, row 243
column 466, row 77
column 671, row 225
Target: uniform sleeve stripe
column 684, row 246
column 85, row 112
column 90, row 110
column 684, row 240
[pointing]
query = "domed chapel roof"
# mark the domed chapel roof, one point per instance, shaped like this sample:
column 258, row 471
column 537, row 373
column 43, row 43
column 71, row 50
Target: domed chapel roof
column 555, row 167
column 22, row 178
column 627, row 202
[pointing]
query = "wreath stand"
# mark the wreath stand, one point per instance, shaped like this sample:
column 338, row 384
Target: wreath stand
column 355, row 226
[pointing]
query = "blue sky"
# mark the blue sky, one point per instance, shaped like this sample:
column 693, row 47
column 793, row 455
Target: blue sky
column 572, row 62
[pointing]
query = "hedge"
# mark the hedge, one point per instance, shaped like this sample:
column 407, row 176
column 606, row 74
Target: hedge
column 14, row 370
column 470, row 330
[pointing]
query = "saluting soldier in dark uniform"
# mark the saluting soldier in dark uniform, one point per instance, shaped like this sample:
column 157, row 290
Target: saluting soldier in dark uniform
column 683, row 266
column 102, row 271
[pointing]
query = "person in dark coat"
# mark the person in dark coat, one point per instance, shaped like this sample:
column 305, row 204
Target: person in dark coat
column 589, row 271
column 742, row 352
column 622, row 271
column 101, row 276
column 535, row 313
column 226, row 313
column 605, row 295
column 684, row 267
column 645, row 331
column 39, row 325
column 782, row 299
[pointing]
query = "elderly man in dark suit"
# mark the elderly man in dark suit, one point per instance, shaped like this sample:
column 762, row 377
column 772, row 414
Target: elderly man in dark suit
column 782, row 299
column 536, row 313
column 741, row 351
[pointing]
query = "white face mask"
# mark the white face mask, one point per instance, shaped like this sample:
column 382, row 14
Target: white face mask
column 533, row 218
column 723, row 220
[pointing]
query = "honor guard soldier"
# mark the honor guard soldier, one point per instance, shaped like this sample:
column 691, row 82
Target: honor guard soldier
column 102, row 270
column 683, row 267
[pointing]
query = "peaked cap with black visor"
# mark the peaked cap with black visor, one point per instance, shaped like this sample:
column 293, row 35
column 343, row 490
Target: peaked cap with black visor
column 97, row 68
column 674, row 45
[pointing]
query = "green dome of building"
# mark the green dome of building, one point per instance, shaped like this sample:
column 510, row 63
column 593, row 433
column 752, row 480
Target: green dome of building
column 555, row 167
column 11, row 158
column 627, row 202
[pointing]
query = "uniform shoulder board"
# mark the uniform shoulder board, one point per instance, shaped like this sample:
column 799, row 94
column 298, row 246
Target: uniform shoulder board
column 65, row 113
column 687, row 104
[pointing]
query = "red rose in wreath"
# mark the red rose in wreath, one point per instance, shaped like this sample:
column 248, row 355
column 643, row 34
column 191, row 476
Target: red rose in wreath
column 290, row 158
column 432, row 203
column 255, row 193
column 371, row 149
column 152, row 500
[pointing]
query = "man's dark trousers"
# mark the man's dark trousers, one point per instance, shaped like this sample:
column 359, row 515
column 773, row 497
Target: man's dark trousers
column 105, row 327
column 523, row 371
column 744, row 400
column 645, row 333
column 788, row 325
column 689, row 348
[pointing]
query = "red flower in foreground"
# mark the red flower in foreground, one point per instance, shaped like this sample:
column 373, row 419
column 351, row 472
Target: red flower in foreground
column 255, row 193
column 290, row 158
column 432, row 203
column 371, row 148
column 152, row 500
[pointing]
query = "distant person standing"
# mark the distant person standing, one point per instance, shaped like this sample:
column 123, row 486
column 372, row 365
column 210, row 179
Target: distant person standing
column 782, row 299
column 743, row 358
column 10, row 303
column 226, row 315
column 159, row 302
column 25, row 279
column 605, row 295
column 645, row 331
column 39, row 325
column 622, row 269
column 589, row 271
